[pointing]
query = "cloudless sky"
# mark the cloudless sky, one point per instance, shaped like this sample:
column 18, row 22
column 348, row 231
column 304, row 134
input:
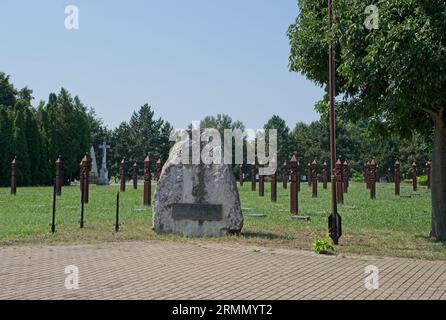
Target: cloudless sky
column 187, row 59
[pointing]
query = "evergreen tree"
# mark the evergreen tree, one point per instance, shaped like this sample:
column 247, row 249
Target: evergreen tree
column 283, row 139
column 20, row 147
column 6, row 154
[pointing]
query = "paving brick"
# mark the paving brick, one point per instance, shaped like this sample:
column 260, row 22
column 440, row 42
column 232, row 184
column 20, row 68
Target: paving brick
column 172, row 270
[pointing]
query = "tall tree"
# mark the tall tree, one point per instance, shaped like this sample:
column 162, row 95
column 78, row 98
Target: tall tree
column 392, row 75
column 65, row 123
column 7, row 91
column 143, row 134
column 6, row 154
column 20, row 147
column 283, row 138
column 220, row 122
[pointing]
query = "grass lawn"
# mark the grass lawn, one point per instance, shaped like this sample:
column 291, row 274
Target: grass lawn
column 387, row 226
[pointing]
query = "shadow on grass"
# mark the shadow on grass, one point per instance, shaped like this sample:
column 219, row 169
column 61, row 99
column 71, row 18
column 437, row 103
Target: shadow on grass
column 263, row 235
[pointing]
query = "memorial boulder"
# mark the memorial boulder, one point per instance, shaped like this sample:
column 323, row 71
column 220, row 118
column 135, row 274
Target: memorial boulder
column 196, row 199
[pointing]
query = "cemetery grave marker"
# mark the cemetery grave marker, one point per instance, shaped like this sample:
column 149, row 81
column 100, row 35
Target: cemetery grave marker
column 293, row 190
column 253, row 177
column 135, row 176
column 346, row 176
column 313, row 176
column 324, row 175
column 309, row 178
column 414, row 176
column 122, row 175
column 147, row 182
column 397, row 177
column 274, row 184
column 339, row 187
column 14, row 176
column 284, row 175
column 261, row 183
column 59, row 176
column 427, row 172
column 373, row 180
column 241, row 175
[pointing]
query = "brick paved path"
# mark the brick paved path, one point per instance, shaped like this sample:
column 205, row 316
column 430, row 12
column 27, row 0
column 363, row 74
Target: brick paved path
column 171, row 270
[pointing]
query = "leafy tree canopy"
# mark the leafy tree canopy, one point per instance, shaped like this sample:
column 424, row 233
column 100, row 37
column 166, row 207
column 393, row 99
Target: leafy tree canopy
column 393, row 76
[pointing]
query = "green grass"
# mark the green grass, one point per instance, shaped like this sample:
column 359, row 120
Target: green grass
column 387, row 226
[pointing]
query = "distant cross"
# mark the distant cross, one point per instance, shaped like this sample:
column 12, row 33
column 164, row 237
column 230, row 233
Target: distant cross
column 104, row 148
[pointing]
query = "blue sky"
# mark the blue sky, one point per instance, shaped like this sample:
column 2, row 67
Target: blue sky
column 187, row 59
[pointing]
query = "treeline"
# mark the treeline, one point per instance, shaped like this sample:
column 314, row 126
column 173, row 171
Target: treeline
column 355, row 143
column 65, row 126
column 36, row 136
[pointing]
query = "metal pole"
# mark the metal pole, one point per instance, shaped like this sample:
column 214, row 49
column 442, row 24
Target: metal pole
column 117, row 213
column 53, row 220
column 83, row 190
column 334, row 220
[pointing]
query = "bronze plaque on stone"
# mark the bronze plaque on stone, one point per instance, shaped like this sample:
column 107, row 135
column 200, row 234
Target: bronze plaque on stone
column 197, row 211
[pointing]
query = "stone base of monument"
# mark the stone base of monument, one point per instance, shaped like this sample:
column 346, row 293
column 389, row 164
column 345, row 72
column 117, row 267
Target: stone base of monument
column 94, row 179
column 103, row 177
column 196, row 200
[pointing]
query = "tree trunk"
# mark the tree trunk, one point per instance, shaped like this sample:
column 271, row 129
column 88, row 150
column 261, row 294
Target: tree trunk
column 438, row 232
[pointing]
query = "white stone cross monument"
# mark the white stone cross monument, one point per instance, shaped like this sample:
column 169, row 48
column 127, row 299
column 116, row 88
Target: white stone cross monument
column 103, row 173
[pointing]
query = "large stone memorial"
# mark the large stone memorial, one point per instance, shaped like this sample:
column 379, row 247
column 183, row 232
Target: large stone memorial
column 94, row 176
column 196, row 199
